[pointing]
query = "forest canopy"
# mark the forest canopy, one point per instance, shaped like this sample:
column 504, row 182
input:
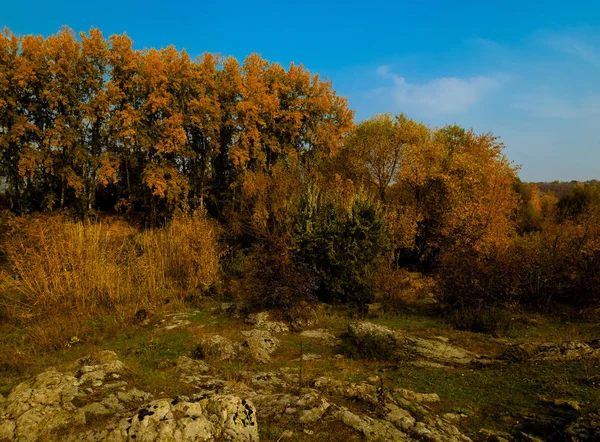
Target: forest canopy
column 90, row 122
column 317, row 205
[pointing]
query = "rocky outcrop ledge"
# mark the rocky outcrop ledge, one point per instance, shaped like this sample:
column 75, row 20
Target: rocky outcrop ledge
column 57, row 406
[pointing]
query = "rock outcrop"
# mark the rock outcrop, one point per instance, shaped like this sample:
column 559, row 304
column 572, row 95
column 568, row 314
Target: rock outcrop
column 225, row 406
column 55, row 406
column 384, row 343
column 260, row 344
column 552, row 352
column 216, row 348
column 219, row 417
column 37, row 409
column 262, row 321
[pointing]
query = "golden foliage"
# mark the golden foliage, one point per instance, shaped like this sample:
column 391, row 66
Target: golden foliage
column 58, row 265
column 78, row 113
column 460, row 185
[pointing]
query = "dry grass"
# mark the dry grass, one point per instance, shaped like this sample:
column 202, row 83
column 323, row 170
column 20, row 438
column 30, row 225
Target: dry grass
column 399, row 290
column 183, row 254
column 58, row 273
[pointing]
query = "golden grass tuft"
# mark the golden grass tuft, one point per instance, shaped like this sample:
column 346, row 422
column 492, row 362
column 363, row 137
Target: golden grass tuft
column 399, row 289
column 184, row 253
column 54, row 266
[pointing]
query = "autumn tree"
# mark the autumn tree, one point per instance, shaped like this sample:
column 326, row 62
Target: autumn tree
column 376, row 147
column 154, row 131
column 460, row 186
column 201, row 109
column 63, row 147
column 289, row 121
column 578, row 200
column 24, row 116
column 100, row 165
column 12, row 118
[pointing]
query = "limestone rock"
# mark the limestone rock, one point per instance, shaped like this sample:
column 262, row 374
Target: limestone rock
column 219, row 417
column 111, row 402
column 322, row 382
column 36, row 408
column 195, row 373
column 310, row 357
column 191, row 367
column 434, row 350
column 434, row 428
column 174, row 321
column 396, row 413
column 263, row 321
column 309, row 407
column 271, row 406
column 133, row 395
column 372, row 429
column 359, row 391
column 260, row 344
column 567, row 351
column 417, row 397
column 264, row 381
column 216, row 348
column 95, row 408
column 388, row 344
column 562, row 352
column 95, row 370
column 322, row 335
column 7, row 429
column 400, row 417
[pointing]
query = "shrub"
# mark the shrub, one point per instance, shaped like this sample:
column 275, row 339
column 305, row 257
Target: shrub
column 342, row 245
column 559, row 263
column 399, row 289
column 493, row 320
column 274, row 277
column 473, row 279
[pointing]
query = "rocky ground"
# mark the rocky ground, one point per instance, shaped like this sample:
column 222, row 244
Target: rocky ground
column 215, row 375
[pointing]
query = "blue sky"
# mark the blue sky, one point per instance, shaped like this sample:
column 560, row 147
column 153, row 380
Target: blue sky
column 526, row 72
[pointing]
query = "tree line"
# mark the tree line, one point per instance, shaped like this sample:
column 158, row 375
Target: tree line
column 90, row 122
column 313, row 204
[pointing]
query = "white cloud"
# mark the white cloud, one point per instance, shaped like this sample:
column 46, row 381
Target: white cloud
column 486, row 45
column 545, row 105
column 440, row 96
column 572, row 43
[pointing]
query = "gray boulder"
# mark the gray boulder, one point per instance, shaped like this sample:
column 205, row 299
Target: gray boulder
column 219, row 417
column 39, row 407
column 262, row 320
column 260, row 344
column 216, row 348
column 380, row 342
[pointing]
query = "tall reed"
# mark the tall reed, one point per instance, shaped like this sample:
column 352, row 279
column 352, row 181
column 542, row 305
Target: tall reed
column 53, row 265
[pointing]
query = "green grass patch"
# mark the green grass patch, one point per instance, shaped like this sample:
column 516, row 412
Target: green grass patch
column 497, row 396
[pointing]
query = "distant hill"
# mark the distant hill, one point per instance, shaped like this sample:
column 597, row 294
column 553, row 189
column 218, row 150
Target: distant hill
column 558, row 188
